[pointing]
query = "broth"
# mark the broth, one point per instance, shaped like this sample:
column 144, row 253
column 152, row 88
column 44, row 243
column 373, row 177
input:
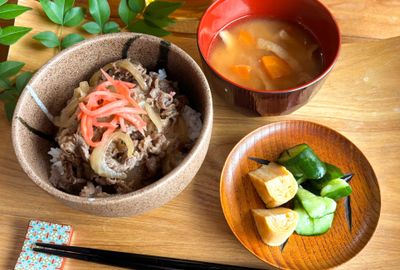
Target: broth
column 266, row 54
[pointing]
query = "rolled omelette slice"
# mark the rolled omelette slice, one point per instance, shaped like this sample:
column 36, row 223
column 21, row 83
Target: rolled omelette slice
column 274, row 184
column 275, row 225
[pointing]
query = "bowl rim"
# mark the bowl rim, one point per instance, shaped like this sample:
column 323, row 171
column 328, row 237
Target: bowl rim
column 118, row 198
column 325, row 72
column 257, row 130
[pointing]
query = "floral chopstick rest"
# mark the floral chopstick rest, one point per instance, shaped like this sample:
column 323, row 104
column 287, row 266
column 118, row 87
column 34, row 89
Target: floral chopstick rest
column 41, row 231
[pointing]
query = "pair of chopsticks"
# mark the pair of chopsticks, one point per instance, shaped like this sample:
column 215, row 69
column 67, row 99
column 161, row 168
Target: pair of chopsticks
column 129, row 260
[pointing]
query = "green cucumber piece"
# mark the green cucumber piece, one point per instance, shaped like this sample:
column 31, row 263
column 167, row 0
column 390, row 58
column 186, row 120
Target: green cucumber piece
column 322, row 225
column 305, row 224
column 302, row 162
column 309, row 226
column 336, row 189
column 301, row 180
column 332, row 172
column 315, row 206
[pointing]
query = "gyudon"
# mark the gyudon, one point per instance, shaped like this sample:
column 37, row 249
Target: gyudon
column 120, row 131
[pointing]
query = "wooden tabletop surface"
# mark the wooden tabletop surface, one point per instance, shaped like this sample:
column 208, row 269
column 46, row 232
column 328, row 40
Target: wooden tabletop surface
column 361, row 100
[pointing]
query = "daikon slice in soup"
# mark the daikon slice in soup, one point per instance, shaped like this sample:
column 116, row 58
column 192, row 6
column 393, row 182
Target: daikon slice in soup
column 266, row 54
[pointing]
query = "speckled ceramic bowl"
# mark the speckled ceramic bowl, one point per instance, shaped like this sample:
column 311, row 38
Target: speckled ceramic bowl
column 32, row 132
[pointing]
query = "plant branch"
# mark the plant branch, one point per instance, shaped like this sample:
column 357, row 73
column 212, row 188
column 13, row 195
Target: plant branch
column 60, row 33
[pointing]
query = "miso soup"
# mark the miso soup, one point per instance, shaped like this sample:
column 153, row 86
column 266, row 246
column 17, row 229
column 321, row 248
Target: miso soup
column 266, row 54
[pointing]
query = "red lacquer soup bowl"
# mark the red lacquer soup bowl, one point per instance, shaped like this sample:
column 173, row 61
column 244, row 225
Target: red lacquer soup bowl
column 311, row 14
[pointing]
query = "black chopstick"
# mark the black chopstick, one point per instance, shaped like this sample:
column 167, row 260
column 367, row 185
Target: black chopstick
column 101, row 260
column 130, row 260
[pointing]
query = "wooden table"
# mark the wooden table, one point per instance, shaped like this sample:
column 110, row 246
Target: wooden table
column 361, row 99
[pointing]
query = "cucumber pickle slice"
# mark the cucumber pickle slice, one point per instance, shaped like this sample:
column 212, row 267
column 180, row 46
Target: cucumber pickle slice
column 336, row 189
column 302, row 162
column 315, row 206
column 309, row 226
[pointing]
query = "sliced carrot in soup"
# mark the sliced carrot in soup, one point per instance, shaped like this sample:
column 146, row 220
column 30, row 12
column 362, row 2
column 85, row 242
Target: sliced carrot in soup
column 243, row 71
column 246, row 38
column 275, row 67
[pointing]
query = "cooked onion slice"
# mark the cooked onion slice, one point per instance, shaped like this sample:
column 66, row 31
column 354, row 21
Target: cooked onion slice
column 227, row 38
column 154, row 117
column 94, row 80
column 98, row 156
column 68, row 114
column 126, row 64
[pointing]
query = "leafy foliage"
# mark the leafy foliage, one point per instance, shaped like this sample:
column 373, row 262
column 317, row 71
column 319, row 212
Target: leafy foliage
column 100, row 12
column 11, row 85
column 10, row 11
column 74, row 16
column 111, row 27
column 136, row 5
column 125, row 13
column 62, row 12
column 91, row 28
column 48, row 39
column 160, row 9
column 10, row 68
column 150, row 19
column 143, row 26
column 71, row 39
column 11, row 34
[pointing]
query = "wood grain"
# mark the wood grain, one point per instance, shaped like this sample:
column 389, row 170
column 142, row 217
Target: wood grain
column 339, row 244
column 359, row 20
column 361, row 99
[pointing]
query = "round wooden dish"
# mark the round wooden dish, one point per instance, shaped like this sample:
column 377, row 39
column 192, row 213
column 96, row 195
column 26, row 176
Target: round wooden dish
column 340, row 243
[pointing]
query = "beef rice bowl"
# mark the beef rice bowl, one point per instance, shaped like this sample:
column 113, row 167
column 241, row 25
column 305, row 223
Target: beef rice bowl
column 122, row 130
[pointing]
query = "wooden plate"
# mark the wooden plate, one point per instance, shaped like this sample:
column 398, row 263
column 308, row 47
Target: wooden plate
column 340, row 243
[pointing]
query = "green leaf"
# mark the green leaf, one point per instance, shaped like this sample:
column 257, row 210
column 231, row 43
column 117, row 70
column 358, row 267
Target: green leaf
column 8, row 95
column 11, row 34
column 48, row 39
column 137, row 5
column 5, row 84
column 92, row 28
column 10, row 11
column 125, row 13
column 74, row 16
column 64, row 5
column 71, row 39
column 160, row 9
column 2, row 2
column 160, row 22
column 142, row 26
column 22, row 81
column 10, row 68
column 111, row 27
column 100, row 11
column 9, row 108
column 52, row 11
